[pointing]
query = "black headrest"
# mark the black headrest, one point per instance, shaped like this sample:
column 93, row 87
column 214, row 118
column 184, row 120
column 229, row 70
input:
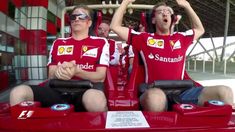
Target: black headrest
column 96, row 20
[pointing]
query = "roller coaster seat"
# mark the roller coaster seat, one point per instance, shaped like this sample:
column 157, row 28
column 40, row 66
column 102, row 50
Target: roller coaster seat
column 126, row 98
column 122, row 92
column 28, row 116
column 121, row 89
column 76, row 86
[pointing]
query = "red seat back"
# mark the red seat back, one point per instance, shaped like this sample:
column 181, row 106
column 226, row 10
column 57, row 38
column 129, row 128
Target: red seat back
column 122, row 93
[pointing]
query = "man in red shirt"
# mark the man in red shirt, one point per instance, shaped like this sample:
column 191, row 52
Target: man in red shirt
column 164, row 55
column 79, row 57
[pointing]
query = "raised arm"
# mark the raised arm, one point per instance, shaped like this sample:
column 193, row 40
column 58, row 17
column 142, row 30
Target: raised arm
column 195, row 20
column 116, row 23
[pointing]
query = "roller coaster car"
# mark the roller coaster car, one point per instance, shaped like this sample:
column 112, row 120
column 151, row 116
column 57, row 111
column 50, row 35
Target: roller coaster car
column 30, row 116
column 122, row 95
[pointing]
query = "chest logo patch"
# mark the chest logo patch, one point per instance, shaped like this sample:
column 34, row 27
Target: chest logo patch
column 155, row 43
column 65, row 50
column 151, row 56
column 84, row 48
column 93, row 52
column 175, row 44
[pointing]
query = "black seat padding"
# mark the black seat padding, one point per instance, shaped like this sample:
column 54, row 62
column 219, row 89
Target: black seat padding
column 70, row 85
column 168, row 85
column 173, row 84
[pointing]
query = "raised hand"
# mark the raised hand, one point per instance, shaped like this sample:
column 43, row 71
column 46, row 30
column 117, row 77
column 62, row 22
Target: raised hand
column 182, row 3
column 129, row 1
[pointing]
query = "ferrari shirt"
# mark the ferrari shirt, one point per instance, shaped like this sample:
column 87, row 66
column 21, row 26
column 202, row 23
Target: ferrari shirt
column 88, row 53
column 163, row 56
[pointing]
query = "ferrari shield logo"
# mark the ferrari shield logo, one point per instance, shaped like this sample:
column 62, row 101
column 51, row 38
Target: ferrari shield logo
column 175, row 44
column 90, row 52
column 84, row 48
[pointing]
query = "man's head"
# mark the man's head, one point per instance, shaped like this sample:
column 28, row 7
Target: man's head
column 104, row 29
column 141, row 28
column 80, row 18
column 162, row 17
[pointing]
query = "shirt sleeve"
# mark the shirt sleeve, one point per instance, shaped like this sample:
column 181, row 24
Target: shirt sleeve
column 130, row 52
column 104, row 58
column 51, row 55
column 188, row 37
column 115, row 57
column 135, row 39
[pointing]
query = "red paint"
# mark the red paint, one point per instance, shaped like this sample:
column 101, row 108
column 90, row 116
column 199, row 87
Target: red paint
column 24, row 34
column 4, row 6
column 43, row 3
column 33, row 117
column 24, row 74
column 58, row 22
column 20, row 3
column 51, row 28
column 36, row 41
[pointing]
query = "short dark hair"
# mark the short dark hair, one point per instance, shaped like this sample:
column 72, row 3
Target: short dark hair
column 106, row 21
column 159, row 4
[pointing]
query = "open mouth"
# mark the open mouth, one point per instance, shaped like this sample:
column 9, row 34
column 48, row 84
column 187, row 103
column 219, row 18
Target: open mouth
column 165, row 20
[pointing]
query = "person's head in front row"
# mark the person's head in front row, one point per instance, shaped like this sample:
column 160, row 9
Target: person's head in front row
column 104, row 29
column 162, row 18
column 80, row 20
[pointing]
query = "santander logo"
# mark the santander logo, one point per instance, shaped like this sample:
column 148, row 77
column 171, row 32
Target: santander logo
column 85, row 66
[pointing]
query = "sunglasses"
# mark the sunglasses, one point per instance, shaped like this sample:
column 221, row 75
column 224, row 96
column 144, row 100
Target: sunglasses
column 80, row 17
